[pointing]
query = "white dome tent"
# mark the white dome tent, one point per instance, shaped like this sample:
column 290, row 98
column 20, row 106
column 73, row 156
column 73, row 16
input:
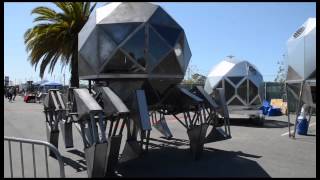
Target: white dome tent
column 240, row 79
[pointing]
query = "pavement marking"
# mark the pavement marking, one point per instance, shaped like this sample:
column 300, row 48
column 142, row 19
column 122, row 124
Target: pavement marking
column 312, row 124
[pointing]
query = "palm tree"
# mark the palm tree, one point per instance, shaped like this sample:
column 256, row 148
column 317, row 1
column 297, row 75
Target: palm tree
column 55, row 37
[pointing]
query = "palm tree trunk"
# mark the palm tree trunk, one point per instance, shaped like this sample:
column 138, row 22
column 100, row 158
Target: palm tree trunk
column 74, row 81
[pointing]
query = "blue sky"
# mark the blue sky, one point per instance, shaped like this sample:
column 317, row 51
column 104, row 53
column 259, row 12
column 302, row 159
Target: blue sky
column 256, row 32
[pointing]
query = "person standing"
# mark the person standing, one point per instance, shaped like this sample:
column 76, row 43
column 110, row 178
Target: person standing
column 10, row 94
column 7, row 92
column 14, row 93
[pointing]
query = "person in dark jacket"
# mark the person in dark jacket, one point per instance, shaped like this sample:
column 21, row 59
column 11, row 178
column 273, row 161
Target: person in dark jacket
column 14, row 93
column 10, row 93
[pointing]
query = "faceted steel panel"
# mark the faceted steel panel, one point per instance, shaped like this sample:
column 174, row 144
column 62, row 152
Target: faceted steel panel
column 235, row 101
column 236, row 79
column 125, row 12
column 301, row 51
column 253, row 91
column 135, row 47
column 111, row 102
column 242, row 91
column 219, row 85
column 133, row 39
column 119, row 31
column 120, row 63
column 229, row 90
column 85, row 103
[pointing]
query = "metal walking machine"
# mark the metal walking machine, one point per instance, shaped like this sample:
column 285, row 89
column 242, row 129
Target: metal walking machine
column 134, row 57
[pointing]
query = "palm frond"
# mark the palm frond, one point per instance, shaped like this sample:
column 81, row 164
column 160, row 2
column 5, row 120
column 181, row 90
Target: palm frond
column 55, row 36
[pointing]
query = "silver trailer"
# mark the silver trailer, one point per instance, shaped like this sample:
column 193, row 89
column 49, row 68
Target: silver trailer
column 241, row 82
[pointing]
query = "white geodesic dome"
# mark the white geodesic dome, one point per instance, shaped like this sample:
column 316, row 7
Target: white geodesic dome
column 240, row 79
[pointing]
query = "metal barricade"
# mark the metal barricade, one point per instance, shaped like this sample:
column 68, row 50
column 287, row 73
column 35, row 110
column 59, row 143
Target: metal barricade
column 34, row 142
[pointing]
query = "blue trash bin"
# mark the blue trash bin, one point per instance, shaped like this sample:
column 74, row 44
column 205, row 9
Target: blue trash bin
column 302, row 125
column 273, row 111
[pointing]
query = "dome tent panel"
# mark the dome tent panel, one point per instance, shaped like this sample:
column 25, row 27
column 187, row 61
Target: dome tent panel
column 242, row 90
column 221, row 69
column 119, row 31
column 253, row 91
column 239, row 69
column 235, row 79
column 235, row 101
column 229, row 90
column 125, row 12
column 215, row 82
column 135, row 46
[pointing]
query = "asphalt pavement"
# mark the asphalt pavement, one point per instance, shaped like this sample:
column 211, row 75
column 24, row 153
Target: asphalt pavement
column 252, row 151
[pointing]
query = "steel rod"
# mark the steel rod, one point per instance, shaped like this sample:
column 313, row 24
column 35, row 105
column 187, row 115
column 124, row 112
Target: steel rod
column 185, row 119
column 111, row 126
column 179, row 121
column 288, row 111
column 34, row 162
column 116, row 127
column 10, row 158
column 46, row 157
column 298, row 108
column 102, row 128
column 94, row 129
column 21, row 155
column 147, row 140
column 189, row 118
column 310, row 114
column 122, row 125
column 91, row 133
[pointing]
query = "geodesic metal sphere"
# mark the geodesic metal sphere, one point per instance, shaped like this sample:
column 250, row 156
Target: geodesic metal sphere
column 132, row 40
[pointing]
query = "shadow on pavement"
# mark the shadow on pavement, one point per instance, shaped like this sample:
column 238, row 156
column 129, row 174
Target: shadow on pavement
column 74, row 164
column 268, row 123
column 166, row 160
column 79, row 165
column 77, row 152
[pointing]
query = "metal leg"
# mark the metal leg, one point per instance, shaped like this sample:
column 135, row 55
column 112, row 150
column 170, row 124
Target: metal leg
column 310, row 114
column 298, row 108
column 288, row 113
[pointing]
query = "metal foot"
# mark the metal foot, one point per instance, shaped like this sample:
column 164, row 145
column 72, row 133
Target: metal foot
column 197, row 136
column 52, row 138
column 132, row 150
column 96, row 156
column 113, row 153
column 216, row 134
column 163, row 128
column 66, row 129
